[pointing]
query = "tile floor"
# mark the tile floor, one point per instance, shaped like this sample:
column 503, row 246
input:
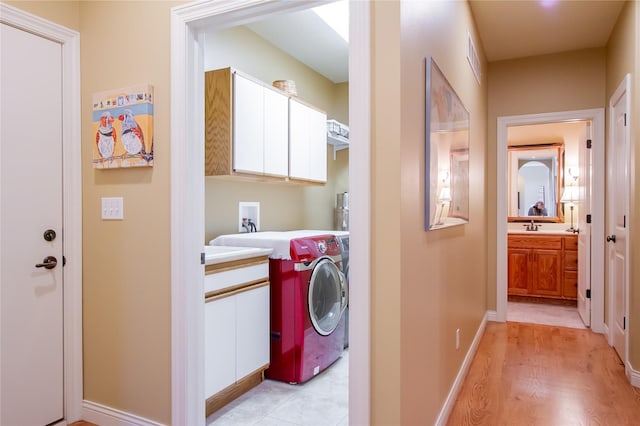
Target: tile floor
column 548, row 314
column 322, row 401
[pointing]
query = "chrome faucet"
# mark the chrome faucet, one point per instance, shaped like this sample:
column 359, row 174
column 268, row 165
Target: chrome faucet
column 532, row 226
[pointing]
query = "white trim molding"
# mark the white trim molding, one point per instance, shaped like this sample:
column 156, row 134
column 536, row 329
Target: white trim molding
column 72, row 196
column 633, row 376
column 598, row 172
column 449, row 403
column 187, row 195
column 105, row 416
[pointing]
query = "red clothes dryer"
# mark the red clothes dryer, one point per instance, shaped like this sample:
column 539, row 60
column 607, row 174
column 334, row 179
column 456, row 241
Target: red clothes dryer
column 308, row 298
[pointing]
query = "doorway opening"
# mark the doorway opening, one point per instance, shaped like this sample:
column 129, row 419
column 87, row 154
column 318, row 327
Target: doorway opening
column 594, row 176
column 187, row 164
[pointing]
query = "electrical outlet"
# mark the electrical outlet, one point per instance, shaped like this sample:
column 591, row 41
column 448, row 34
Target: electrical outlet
column 457, row 339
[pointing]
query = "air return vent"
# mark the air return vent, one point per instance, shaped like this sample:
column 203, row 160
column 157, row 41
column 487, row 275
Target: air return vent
column 472, row 56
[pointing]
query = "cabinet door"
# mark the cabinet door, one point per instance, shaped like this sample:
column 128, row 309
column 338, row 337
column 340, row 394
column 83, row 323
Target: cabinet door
column 252, row 330
column 276, row 133
column 519, row 273
column 547, row 273
column 220, row 345
column 307, row 143
column 317, row 122
column 248, row 125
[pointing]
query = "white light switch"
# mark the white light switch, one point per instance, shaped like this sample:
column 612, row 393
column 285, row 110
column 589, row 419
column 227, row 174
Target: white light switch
column 112, row 208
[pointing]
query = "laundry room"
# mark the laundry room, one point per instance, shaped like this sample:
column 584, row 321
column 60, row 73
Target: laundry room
column 275, row 219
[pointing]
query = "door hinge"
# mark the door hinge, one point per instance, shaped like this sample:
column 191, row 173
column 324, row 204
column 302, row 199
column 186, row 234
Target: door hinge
column 624, row 221
column 624, row 323
column 588, row 143
column 625, row 119
column 588, row 293
column 588, row 218
column 202, row 258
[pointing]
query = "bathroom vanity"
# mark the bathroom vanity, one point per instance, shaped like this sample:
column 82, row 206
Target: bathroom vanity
column 543, row 265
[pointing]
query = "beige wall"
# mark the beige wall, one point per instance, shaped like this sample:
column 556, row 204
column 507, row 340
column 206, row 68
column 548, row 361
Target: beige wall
column 550, row 83
column 127, row 282
column 420, row 292
column 66, row 13
column 623, row 56
column 282, row 206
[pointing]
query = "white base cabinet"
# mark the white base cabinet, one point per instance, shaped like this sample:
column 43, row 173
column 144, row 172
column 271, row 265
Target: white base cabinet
column 236, row 329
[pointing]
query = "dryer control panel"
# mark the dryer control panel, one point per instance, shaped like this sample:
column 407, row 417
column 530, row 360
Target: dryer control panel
column 310, row 248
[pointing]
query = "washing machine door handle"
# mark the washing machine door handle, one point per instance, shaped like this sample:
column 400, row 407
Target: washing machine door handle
column 345, row 292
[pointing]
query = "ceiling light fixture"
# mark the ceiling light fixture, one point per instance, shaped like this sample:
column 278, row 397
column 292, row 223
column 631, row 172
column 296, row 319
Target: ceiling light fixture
column 336, row 15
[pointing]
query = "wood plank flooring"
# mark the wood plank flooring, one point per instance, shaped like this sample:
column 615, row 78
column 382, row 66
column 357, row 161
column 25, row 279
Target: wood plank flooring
column 529, row 374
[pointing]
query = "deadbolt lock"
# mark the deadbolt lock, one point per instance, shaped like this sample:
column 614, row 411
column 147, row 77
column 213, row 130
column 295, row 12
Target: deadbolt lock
column 49, row 235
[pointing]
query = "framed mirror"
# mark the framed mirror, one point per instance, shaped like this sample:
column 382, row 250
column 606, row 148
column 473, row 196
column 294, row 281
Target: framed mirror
column 536, row 179
column 447, row 153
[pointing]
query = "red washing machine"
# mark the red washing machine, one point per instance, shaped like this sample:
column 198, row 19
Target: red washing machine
column 309, row 296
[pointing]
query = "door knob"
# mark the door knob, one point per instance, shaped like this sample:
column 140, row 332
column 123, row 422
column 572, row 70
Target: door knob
column 49, row 262
column 611, row 238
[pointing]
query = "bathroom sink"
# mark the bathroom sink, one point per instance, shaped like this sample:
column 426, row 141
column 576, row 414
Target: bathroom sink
column 219, row 254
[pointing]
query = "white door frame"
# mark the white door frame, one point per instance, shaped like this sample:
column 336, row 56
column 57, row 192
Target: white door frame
column 597, row 213
column 72, row 196
column 187, row 196
column 624, row 87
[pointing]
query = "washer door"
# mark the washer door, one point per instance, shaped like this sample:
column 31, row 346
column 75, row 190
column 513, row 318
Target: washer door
column 328, row 296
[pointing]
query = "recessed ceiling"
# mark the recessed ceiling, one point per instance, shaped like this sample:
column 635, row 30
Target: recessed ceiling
column 515, row 29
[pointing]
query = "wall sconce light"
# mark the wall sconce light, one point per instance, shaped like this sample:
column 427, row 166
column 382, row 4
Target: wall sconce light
column 569, row 196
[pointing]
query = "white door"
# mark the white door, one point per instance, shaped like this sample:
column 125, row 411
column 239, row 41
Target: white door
column 31, row 328
column 617, row 236
column 585, row 177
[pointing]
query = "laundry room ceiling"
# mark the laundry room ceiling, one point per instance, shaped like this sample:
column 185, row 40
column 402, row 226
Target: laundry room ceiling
column 508, row 29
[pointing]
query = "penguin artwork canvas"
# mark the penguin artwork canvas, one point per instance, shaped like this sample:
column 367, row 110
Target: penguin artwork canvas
column 123, row 128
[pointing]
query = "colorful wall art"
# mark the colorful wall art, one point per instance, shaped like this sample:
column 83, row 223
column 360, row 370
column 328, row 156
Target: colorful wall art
column 123, row 128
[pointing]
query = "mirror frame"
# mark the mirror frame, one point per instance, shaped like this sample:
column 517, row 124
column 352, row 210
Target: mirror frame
column 559, row 211
column 447, row 156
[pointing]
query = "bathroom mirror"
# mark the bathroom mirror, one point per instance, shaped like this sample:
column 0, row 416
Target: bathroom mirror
column 447, row 153
column 535, row 174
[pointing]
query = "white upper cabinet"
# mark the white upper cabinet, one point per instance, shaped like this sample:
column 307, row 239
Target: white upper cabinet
column 307, row 142
column 252, row 129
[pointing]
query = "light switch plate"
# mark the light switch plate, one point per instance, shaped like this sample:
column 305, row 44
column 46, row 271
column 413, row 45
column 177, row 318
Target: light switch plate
column 112, row 208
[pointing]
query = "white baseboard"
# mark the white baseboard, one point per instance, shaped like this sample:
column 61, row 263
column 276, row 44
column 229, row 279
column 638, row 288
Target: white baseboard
column 106, row 416
column 492, row 316
column 633, row 376
column 462, row 373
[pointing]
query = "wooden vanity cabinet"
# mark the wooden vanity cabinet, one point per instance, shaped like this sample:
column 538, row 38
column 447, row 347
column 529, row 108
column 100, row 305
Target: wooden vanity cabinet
column 542, row 266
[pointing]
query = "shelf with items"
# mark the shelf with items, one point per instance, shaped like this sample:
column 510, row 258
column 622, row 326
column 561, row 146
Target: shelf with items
column 337, row 136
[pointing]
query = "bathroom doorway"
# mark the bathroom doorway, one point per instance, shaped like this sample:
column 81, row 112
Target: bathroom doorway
column 593, row 176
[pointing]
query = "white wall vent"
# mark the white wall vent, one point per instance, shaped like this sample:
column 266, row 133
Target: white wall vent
column 472, row 56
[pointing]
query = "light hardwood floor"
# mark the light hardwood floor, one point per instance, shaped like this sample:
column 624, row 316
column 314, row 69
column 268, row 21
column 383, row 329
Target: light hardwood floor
column 529, row 374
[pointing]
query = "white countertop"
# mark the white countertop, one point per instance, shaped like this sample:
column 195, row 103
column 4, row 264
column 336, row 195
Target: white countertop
column 221, row 254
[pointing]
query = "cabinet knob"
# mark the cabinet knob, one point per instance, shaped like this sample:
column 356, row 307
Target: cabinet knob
column 611, row 238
